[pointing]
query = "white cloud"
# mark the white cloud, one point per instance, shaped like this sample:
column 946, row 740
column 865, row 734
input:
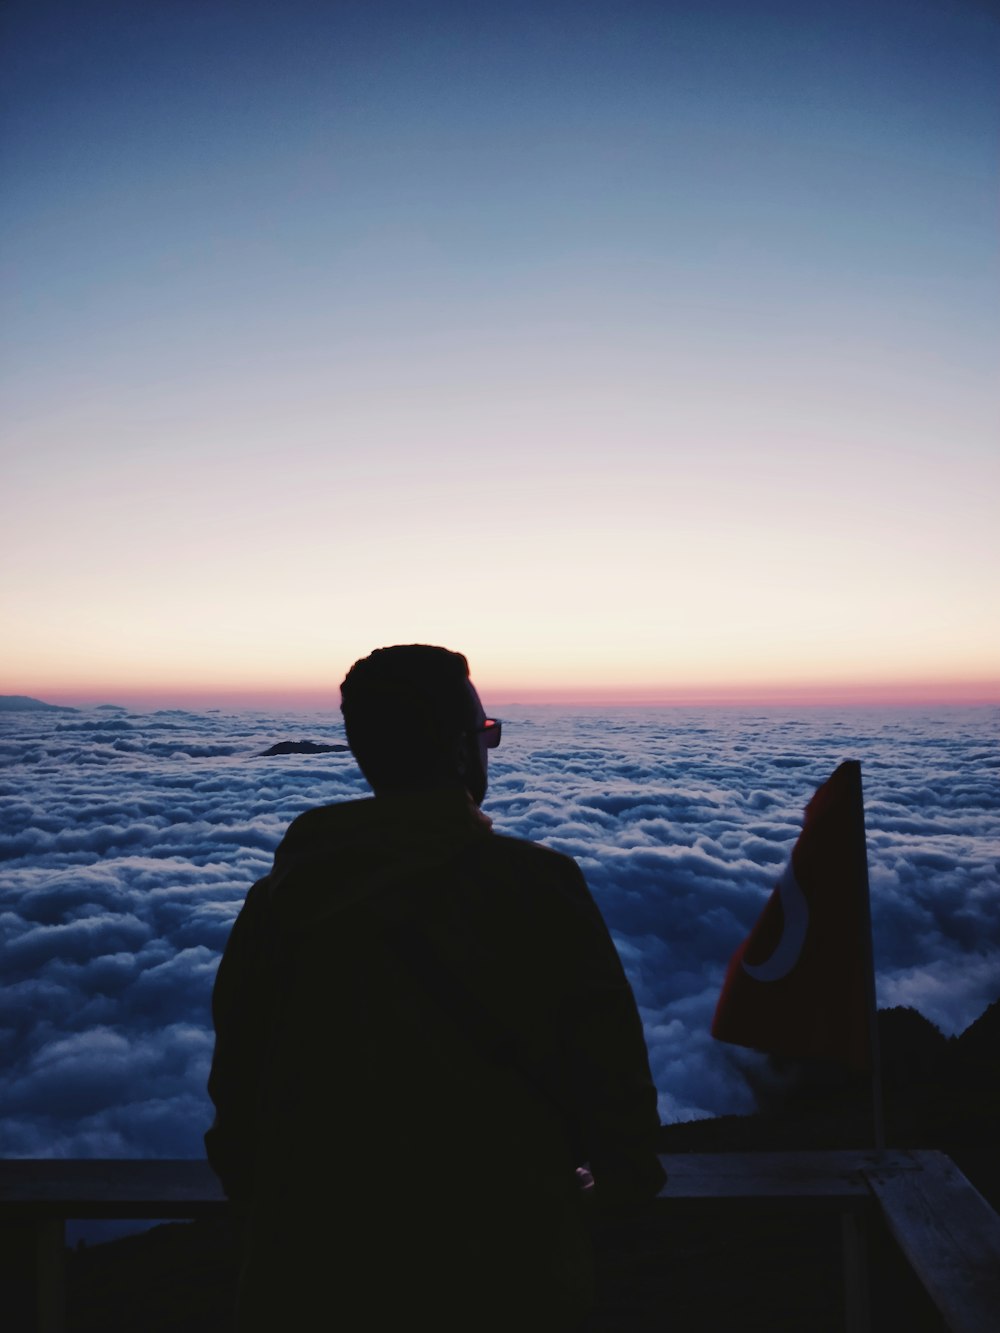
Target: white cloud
column 130, row 840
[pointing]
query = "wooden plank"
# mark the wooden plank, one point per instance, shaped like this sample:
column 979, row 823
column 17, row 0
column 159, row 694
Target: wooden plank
column 776, row 1175
column 951, row 1237
column 108, row 1188
column 147, row 1188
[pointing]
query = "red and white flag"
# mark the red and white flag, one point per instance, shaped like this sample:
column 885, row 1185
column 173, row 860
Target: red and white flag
column 799, row 984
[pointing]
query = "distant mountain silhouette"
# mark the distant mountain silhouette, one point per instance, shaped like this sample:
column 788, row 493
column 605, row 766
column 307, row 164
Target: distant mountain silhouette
column 939, row 1092
column 303, row 747
column 111, row 708
column 22, row 703
column 979, row 1044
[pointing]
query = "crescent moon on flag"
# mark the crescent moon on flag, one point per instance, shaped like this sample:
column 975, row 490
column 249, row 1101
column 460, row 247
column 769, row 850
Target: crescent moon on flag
column 795, row 911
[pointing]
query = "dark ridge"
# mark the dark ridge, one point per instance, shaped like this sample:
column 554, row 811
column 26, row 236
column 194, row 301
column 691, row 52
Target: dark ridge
column 22, row 703
column 939, row 1092
column 980, row 1042
column 303, row 747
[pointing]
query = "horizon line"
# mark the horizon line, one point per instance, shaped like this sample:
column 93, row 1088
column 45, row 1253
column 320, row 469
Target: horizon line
column 981, row 692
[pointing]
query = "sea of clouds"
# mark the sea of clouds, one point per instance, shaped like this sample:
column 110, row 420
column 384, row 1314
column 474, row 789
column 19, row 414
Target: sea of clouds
column 129, row 841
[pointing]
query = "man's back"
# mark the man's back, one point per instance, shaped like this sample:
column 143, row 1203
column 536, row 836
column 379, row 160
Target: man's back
column 423, row 1028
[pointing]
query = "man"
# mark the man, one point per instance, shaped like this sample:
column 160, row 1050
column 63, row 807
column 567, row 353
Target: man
column 422, row 1031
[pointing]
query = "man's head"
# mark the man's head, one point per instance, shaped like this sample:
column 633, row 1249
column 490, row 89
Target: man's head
column 413, row 719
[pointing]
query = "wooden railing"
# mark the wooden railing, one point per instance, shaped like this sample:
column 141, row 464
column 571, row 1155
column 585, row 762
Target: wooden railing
column 948, row 1233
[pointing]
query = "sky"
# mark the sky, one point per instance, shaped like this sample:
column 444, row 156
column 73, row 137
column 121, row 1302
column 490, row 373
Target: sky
column 128, row 842
column 635, row 350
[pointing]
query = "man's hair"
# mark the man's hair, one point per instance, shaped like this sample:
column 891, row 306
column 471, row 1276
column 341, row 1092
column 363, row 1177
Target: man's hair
column 403, row 708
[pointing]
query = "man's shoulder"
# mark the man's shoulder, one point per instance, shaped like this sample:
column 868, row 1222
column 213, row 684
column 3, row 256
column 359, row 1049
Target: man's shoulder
column 529, row 865
column 321, row 820
column 504, row 846
column 353, row 828
column 525, row 882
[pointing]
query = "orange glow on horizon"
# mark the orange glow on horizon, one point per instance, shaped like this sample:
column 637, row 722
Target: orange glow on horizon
column 497, row 693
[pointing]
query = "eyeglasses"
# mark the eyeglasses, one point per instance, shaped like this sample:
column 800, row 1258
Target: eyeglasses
column 491, row 730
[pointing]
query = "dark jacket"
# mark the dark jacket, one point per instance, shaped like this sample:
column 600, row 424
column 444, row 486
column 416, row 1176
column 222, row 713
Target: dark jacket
column 422, row 1029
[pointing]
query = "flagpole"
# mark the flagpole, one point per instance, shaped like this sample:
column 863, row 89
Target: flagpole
column 868, row 961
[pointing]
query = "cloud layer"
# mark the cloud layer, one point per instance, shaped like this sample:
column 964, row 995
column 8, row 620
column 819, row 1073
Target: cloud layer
column 129, row 840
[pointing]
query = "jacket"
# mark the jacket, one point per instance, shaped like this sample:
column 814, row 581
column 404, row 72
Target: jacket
column 422, row 1029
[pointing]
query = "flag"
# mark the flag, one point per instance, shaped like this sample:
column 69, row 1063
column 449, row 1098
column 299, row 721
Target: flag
column 799, row 984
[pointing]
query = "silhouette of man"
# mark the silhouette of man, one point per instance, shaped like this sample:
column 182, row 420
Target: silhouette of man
column 422, row 1031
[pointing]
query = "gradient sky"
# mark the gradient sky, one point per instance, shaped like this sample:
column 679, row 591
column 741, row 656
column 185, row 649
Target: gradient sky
column 625, row 347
